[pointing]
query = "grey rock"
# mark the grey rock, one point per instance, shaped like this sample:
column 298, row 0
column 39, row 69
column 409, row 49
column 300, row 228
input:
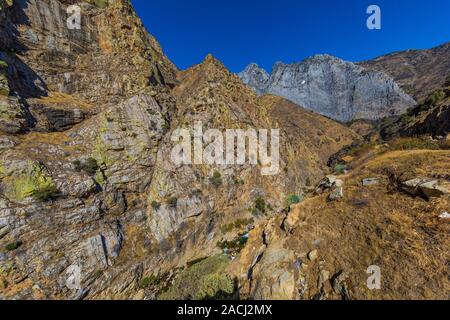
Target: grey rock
column 370, row 182
column 336, row 194
column 425, row 187
column 255, row 77
column 332, row 87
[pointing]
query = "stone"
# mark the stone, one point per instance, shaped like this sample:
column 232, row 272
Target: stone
column 353, row 93
column 336, row 194
column 425, row 187
column 444, row 215
column 324, row 276
column 370, row 182
column 340, row 285
column 313, row 255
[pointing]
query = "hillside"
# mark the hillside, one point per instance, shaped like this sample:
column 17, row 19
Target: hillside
column 418, row 72
column 85, row 161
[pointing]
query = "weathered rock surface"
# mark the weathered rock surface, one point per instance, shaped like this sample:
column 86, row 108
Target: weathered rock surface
column 332, row 87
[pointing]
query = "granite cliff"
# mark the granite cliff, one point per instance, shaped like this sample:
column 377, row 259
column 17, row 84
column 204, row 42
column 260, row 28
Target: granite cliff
column 332, row 87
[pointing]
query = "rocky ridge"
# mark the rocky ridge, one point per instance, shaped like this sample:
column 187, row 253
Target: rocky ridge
column 332, row 87
column 85, row 174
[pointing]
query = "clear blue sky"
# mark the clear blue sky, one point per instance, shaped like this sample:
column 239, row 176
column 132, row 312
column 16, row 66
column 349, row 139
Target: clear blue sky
column 238, row 32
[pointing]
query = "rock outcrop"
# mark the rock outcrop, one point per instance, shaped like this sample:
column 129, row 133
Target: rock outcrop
column 332, row 87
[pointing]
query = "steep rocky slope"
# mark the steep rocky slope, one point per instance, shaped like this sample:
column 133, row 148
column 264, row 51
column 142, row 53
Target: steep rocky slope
column 323, row 249
column 432, row 117
column 332, row 87
column 418, row 72
column 85, row 148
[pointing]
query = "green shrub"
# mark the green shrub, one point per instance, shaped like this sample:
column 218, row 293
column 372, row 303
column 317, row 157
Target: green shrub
column 234, row 246
column 203, row 280
column 291, row 200
column 172, row 202
column 216, row 286
column 33, row 184
column 156, row 205
column 340, row 168
column 216, row 179
column 260, row 204
column 3, row 65
column 149, row 281
column 435, row 98
column 13, row 246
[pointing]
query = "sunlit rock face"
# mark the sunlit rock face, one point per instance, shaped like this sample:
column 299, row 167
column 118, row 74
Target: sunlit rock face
column 332, row 87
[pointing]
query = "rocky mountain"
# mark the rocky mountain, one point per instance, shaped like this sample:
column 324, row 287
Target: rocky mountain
column 86, row 177
column 93, row 206
column 418, row 72
column 332, row 87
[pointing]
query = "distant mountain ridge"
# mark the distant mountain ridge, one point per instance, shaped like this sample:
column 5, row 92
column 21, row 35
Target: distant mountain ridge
column 418, row 72
column 332, row 87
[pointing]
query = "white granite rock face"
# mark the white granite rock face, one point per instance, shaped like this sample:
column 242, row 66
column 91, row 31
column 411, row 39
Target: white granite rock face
column 332, row 87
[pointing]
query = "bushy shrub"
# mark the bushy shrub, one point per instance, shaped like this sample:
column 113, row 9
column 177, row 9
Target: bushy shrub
column 172, row 202
column 260, row 204
column 156, row 205
column 340, row 168
column 13, row 245
column 203, row 280
column 435, row 98
column 216, row 286
column 291, row 200
column 3, row 65
column 34, row 183
column 149, row 281
column 216, row 179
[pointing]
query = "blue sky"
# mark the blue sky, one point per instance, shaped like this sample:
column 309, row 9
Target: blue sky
column 238, row 32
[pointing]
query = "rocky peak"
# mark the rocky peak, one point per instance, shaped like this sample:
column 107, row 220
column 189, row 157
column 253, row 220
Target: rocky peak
column 333, row 87
column 255, row 76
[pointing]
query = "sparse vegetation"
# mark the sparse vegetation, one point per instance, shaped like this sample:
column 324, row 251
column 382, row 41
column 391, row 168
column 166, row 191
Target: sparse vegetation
column 291, row 200
column 155, row 205
column 260, row 204
column 13, row 246
column 238, row 224
column 149, row 281
column 340, row 168
column 102, row 4
column 203, row 280
column 235, row 246
column 90, row 166
column 435, row 98
column 413, row 144
column 172, row 202
column 34, row 183
column 216, row 179
column 3, row 65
